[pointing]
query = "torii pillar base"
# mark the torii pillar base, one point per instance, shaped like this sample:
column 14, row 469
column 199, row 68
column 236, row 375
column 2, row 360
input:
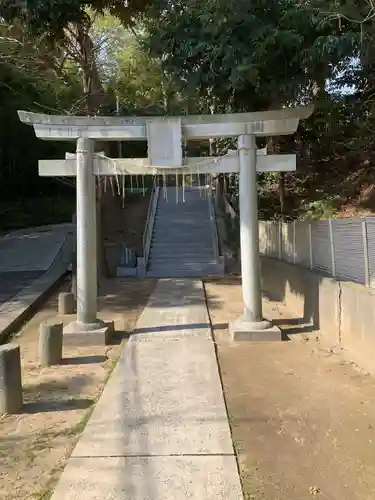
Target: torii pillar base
column 80, row 334
column 240, row 329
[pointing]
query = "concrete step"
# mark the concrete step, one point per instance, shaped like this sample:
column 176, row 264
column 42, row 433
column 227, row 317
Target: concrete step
column 183, row 243
column 170, row 248
column 191, row 266
column 189, row 201
column 185, row 249
column 188, row 241
column 182, row 216
column 181, row 230
column 185, row 211
column 200, row 221
column 183, row 255
column 198, row 224
column 188, row 248
column 176, row 270
column 155, row 263
column 170, row 236
column 189, row 204
column 178, row 218
column 184, row 273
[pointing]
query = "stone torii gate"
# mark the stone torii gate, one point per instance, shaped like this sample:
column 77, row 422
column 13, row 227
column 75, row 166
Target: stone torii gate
column 164, row 136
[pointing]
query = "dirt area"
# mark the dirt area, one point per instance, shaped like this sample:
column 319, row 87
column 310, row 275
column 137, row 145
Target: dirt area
column 302, row 418
column 35, row 444
column 122, row 219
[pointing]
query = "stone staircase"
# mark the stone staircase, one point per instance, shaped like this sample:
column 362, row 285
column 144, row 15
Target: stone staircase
column 183, row 241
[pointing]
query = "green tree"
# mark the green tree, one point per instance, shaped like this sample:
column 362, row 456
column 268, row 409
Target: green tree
column 66, row 26
column 264, row 54
column 248, row 55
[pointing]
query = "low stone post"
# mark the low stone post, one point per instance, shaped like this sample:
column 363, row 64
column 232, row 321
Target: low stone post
column 66, row 303
column 50, row 343
column 10, row 379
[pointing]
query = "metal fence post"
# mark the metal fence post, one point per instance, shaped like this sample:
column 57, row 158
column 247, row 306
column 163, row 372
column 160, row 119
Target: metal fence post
column 311, row 247
column 332, row 248
column 365, row 253
column 274, row 238
column 262, row 245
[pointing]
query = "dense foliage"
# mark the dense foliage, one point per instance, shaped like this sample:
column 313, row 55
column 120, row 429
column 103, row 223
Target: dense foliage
column 201, row 56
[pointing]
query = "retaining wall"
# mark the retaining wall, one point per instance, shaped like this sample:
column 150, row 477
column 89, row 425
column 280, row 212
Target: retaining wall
column 343, row 311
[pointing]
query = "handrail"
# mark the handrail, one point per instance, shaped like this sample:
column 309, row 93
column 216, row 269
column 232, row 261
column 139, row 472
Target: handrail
column 148, row 217
column 212, row 214
column 147, row 235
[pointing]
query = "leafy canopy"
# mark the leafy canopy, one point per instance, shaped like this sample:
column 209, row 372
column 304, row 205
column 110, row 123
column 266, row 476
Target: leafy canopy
column 52, row 16
column 257, row 54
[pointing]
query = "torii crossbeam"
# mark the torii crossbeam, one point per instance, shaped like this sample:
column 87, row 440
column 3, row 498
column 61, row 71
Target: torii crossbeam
column 164, row 137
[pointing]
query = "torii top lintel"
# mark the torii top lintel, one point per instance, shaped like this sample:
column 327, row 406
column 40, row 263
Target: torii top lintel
column 263, row 123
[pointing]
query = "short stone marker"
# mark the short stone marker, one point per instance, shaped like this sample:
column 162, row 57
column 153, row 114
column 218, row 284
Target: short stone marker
column 11, row 399
column 66, row 303
column 50, row 343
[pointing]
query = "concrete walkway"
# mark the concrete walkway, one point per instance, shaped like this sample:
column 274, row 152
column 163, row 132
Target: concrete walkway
column 31, row 261
column 160, row 429
column 33, row 250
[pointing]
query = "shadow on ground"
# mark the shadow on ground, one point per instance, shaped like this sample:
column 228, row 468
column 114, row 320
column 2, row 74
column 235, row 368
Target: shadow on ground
column 84, row 360
column 46, row 406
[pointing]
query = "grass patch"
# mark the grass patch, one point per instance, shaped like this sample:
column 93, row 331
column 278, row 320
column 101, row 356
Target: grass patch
column 250, row 490
column 15, row 331
column 80, row 427
column 109, row 366
column 44, row 494
column 30, row 457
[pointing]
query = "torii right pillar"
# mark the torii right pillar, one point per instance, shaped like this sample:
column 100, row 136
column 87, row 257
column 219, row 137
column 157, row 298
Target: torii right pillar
column 251, row 326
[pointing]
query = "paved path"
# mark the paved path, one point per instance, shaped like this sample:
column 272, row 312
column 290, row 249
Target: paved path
column 160, row 429
column 31, row 260
column 11, row 283
column 33, row 251
column 25, row 256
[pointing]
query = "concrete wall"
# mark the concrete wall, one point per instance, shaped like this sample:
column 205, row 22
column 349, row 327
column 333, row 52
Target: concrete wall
column 343, row 311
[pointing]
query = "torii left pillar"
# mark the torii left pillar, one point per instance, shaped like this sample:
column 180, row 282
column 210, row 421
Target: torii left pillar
column 87, row 329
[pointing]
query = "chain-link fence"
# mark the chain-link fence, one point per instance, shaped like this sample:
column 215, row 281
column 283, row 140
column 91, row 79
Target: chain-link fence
column 342, row 248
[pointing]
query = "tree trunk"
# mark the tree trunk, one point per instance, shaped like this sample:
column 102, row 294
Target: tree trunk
column 93, row 104
column 92, row 84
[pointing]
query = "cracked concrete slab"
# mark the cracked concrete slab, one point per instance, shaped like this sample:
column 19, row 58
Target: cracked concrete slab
column 160, row 429
column 34, row 251
column 164, row 398
column 145, row 478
